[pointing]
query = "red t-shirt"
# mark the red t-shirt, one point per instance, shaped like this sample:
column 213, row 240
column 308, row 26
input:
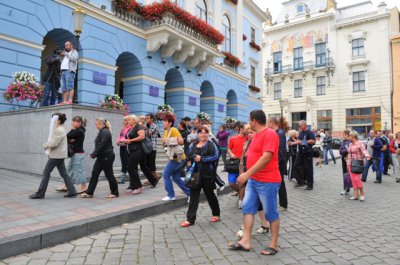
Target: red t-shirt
column 264, row 141
column 236, row 144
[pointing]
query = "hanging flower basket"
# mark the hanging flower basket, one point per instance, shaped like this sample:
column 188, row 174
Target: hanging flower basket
column 204, row 117
column 255, row 46
column 163, row 111
column 232, row 59
column 229, row 120
column 114, row 102
column 24, row 88
column 244, row 37
column 254, row 88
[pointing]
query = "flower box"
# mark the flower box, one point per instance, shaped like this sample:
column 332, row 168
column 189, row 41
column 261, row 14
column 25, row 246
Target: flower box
column 254, row 88
column 244, row 37
column 235, row 2
column 114, row 102
column 163, row 111
column 255, row 46
column 232, row 59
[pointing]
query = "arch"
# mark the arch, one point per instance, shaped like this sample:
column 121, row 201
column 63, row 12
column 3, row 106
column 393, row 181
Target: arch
column 208, row 102
column 227, row 31
column 56, row 38
column 173, row 95
column 128, row 66
column 232, row 106
column 207, row 89
column 202, row 9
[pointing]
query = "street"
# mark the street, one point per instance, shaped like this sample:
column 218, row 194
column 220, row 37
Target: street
column 320, row 226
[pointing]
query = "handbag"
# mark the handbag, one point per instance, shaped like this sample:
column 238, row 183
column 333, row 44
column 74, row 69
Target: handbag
column 147, row 145
column 357, row 166
column 316, row 151
column 232, row 165
column 193, row 181
column 347, row 181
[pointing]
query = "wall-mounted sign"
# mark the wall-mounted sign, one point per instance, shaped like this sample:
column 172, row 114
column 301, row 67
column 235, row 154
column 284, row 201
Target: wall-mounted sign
column 221, row 108
column 192, row 101
column 154, row 91
column 99, row 78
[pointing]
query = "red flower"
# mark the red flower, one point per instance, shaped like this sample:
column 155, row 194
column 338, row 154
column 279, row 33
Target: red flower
column 244, row 37
column 232, row 58
column 255, row 46
column 254, row 88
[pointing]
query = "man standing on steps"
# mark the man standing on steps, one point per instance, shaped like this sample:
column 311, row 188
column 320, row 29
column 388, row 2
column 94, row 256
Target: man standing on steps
column 69, row 65
column 303, row 166
column 273, row 124
column 152, row 130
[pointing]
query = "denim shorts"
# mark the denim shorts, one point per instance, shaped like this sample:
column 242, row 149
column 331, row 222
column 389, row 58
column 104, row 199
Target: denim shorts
column 264, row 192
column 67, row 80
column 232, row 177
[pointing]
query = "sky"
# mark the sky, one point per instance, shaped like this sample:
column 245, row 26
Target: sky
column 275, row 5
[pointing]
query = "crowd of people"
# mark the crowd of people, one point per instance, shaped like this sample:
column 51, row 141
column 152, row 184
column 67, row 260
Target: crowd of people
column 257, row 155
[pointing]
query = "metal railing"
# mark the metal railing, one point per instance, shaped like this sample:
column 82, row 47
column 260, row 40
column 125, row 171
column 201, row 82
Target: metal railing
column 306, row 67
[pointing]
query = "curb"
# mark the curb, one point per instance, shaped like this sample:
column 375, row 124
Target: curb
column 49, row 237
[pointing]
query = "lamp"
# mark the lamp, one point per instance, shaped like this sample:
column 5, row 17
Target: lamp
column 281, row 105
column 79, row 19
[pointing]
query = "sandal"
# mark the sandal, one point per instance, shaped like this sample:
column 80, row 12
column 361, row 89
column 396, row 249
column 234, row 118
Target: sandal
column 263, row 230
column 112, row 196
column 237, row 247
column 185, row 224
column 215, row 219
column 86, row 196
column 268, row 251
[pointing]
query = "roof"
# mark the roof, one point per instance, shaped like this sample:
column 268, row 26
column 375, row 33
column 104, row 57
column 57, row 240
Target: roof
column 290, row 8
column 356, row 10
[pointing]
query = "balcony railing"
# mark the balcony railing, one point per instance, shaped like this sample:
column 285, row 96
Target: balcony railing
column 307, row 66
column 129, row 17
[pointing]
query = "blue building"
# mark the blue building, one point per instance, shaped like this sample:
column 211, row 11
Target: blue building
column 147, row 63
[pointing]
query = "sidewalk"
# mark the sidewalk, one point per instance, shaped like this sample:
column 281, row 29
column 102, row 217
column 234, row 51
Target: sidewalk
column 27, row 225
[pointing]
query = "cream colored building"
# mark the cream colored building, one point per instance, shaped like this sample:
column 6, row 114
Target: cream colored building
column 330, row 66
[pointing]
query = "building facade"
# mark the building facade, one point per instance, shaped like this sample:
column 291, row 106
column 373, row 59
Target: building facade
column 396, row 82
column 330, row 66
column 148, row 63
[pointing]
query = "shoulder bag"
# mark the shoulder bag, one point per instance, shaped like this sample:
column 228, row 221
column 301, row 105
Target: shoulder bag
column 232, row 165
column 147, row 145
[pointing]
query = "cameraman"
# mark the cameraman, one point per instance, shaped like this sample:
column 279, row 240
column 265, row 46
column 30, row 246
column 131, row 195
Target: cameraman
column 69, row 65
column 51, row 79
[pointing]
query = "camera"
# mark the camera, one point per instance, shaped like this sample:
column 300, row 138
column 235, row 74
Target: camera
column 57, row 51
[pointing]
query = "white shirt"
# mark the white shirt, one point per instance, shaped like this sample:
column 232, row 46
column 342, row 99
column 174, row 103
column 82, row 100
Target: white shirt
column 65, row 62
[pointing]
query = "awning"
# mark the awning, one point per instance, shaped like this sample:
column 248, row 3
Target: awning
column 358, row 124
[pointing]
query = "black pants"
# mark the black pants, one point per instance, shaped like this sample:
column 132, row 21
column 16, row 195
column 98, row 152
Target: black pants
column 304, row 171
column 208, row 186
column 151, row 161
column 123, row 154
column 386, row 162
column 283, row 201
column 103, row 163
column 50, row 165
column 292, row 159
column 137, row 157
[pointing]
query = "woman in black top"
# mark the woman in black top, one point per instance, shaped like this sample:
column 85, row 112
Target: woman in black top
column 205, row 154
column 182, row 128
column 292, row 152
column 104, row 154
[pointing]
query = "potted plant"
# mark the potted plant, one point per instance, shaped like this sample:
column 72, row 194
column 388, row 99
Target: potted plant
column 204, row 117
column 162, row 111
column 255, row 45
column 231, row 59
column 114, row 102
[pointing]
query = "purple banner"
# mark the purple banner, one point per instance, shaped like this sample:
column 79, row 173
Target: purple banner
column 154, row 91
column 192, row 101
column 221, row 108
column 99, row 78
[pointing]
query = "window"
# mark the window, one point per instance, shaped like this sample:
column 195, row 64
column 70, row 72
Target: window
column 252, row 76
column 298, row 88
column 321, row 85
column 201, row 10
column 300, row 8
column 298, row 58
column 226, row 24
column 320, row 54
column 277, row 57
column 277, row 90
column 253, row 35
column 324, row 119
column 357, row 47
column 358, row 81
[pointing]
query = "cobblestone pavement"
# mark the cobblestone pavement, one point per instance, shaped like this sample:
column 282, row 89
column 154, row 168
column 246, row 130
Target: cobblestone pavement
column 320, row 226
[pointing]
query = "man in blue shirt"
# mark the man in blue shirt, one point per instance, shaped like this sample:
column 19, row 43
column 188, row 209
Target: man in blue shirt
column 374, row 146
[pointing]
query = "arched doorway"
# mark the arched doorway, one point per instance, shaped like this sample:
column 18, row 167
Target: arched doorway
column 232, row 106
column 173, row 95
column 207, row 99
column 54, row 39
column 129, row 66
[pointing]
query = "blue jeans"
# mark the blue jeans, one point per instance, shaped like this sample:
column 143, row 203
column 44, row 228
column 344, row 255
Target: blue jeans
column 330, row 150
column 75, row 169
column 376, row 162
column 172, row 172
column 49, row 94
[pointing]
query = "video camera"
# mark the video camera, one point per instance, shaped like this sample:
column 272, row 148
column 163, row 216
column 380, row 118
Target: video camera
column 57, row 50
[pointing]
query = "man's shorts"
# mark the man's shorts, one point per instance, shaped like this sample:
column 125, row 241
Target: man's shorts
column 232, row 177
column 264, row 192
column 67, row 80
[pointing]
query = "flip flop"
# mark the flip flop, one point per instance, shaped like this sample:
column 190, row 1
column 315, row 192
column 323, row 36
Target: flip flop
column 237, row 247
column 271, row 251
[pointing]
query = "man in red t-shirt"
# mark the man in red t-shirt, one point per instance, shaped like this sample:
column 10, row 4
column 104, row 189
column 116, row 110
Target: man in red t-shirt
column 263, row 182
column 235, row 149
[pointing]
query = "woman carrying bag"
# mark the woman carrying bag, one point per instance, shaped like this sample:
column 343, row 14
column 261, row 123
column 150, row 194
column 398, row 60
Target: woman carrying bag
column 356, row 154
column 204, row 155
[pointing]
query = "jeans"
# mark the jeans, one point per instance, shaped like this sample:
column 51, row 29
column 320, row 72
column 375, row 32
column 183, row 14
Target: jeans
column 50, row 165
column 49, row 95
column 103, row 163
column 123, row 155
column 75, row 168
column 386, row 162
column 67, row 80
column 208, row 186
column 171, row 173
column 330, row 150
column 376, row 162
column 137, row 157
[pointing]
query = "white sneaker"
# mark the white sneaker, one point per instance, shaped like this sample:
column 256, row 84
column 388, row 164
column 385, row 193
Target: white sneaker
column 168, row 199
column 345, row 192
column 263, row 230
column 188, row 200
column 362, row 198
column 239, row 204
column 353, row 198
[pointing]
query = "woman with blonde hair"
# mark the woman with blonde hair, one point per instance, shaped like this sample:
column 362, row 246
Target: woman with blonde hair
column 357, row 151
column 104, row 154
column 292, row 152
column 123, row 154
